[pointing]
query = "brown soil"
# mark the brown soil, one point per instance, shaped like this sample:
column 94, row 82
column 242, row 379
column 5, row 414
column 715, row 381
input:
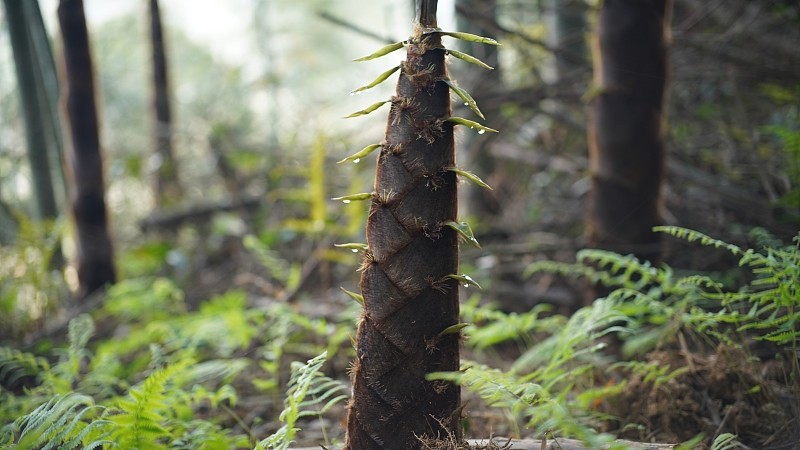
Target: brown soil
column 724, row 391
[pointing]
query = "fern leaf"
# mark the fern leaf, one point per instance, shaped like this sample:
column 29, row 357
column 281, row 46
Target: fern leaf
column 15, row 365
column 306, row 381
column 139, row 423
column 692, row 236
column 61, row 422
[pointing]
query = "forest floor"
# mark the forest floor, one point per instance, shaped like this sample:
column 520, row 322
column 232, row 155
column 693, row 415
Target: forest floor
column 720, row 389
column 724, row 390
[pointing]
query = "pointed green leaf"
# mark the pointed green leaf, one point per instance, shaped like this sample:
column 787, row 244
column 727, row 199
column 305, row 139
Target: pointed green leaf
column 381, row 78
column 468, row 100
column 357, row 297
column 362, row 153
column 453, row 329
column 465, row 231
column 354, row 197
column 471, row 177
column 472, row 124
column 367, row 110
column 469, row 58
column 382, row 51
column 592, row 92
column 466, row 280
column 354, row 246
column 469, row 37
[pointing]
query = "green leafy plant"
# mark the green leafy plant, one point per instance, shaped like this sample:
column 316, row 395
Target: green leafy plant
column 18, row 368
column 555, row 383
column 139, row 423
column 550, row 388
column 310, row 393
column 63, row 422
column 76, row 401
column 30, row 284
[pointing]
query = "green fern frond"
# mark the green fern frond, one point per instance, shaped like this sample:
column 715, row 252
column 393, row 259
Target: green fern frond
column 15, row 365
column 63, row 422
column 568, row 270
column 626, row 271
column 66, row 371
column 543, row 408
column 700, row 281
column 80, row 331
column 139, row 424
column 494, row 327
column 310, row 393
column 693, row 236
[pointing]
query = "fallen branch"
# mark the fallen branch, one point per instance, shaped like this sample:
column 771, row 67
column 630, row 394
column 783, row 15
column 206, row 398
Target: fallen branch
column 347, row 25
column 174, row 219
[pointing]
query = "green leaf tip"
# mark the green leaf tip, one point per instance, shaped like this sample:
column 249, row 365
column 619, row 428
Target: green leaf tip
column 465, row 231
column 468, row 58
column 454, row 329
column 357, row 297
column 383, row 51
column 471, row 177
column 466, row 280
column 354, row 246
column 354, row 197
column 356, row 158
column 468, row 100
column 472, row 124
column 469, row 37
column 381, row 78
column 367, row 110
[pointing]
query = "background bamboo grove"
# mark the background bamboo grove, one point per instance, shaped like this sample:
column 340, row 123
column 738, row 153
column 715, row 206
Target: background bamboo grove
column 584, row 237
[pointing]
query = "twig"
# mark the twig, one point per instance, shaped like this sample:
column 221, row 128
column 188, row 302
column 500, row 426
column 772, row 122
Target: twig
column 308, row 268
column 492, row 25
column 352, row 27
column 173, row 219
column 686, row 353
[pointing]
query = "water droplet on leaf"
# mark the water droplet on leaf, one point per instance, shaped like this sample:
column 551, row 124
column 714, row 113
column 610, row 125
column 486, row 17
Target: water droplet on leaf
column 357, row 160
column 481, row 131
column 345, row 201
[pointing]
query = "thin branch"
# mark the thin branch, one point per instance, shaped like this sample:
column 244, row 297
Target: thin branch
column 355, row 28
column 492, row 25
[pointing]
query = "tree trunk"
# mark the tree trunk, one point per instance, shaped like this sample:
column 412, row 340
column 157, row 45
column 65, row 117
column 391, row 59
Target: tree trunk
column 408, row 297
column 47, row 82
column 627, row 126
column 33, row 102
column 84, row 161
column 569, row 28
column 167, row 188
